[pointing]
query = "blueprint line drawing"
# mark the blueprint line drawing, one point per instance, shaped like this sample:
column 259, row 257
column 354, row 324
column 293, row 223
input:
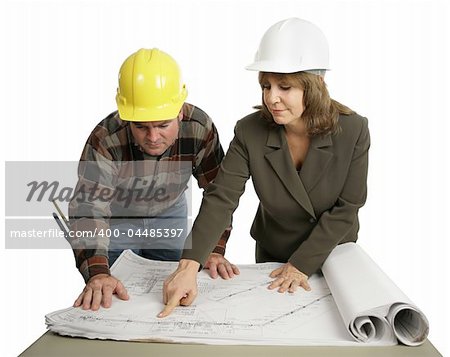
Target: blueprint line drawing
column 243, row 310
column 243, row 291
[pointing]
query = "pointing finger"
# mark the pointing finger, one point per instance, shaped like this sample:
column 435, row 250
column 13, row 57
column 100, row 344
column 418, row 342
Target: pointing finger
column 170, row 306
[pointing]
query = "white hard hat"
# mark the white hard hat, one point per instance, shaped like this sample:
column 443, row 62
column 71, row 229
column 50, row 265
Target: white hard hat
column 291, row 45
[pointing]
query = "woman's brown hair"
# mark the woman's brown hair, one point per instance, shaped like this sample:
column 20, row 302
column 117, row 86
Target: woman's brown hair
column 321, row 112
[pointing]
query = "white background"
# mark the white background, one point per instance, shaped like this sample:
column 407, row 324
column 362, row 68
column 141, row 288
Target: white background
column 389, row 60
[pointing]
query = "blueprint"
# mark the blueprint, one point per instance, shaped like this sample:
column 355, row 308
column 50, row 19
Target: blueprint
column 237, row 311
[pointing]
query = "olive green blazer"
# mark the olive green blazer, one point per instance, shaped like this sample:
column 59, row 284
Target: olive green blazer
column 302, row 216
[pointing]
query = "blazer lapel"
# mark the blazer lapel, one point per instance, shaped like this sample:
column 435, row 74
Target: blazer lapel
column 317, row 160
column 280, row 160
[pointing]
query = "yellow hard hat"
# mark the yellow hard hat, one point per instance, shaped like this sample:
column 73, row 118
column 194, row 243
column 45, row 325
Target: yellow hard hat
column 150, row 87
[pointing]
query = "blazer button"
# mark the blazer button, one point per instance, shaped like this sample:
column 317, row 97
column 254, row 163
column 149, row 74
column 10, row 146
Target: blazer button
column 312, row 220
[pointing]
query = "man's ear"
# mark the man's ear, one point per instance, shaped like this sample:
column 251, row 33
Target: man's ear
column 180, row 115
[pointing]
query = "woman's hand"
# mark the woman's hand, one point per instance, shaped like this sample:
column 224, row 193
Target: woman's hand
column 219, row 265
column 180, row 288
column 288, row 278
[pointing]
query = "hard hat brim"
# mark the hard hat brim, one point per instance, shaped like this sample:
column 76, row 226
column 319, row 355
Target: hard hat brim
column 164, row 112
column 273, row 67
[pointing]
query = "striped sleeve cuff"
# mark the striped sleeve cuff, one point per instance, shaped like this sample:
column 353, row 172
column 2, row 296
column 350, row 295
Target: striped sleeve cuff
column 94, row 266
column 222, row 243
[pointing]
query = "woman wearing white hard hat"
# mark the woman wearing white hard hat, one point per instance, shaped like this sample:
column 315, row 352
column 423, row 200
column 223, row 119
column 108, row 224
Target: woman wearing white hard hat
column 307, row 155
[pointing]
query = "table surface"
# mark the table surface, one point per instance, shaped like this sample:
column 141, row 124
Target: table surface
column 50, row 344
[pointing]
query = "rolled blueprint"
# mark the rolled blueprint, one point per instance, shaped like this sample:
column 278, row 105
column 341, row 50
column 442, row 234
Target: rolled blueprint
column 372, row 307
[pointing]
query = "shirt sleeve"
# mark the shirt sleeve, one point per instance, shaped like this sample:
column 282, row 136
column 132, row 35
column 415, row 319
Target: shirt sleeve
column 209, row 156
column 339, row 223
column 88, row 213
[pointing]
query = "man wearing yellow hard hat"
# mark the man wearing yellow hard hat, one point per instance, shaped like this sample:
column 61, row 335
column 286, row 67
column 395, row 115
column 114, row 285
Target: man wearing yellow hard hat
column 133, row 174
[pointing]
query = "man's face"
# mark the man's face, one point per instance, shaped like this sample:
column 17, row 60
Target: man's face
column 154, row 137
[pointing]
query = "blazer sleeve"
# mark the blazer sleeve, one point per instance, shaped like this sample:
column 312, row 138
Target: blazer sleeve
column 219, row 201
column 340, row 223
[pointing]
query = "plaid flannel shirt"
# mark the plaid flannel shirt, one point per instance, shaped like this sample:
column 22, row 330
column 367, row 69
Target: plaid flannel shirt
column 111, row 142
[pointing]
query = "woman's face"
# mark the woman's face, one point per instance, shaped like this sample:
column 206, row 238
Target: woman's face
column 284, row 101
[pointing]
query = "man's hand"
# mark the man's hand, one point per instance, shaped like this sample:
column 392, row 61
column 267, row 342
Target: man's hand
column 180, row 288
column 288, row 278
column 99, row 290
column 219, row 265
